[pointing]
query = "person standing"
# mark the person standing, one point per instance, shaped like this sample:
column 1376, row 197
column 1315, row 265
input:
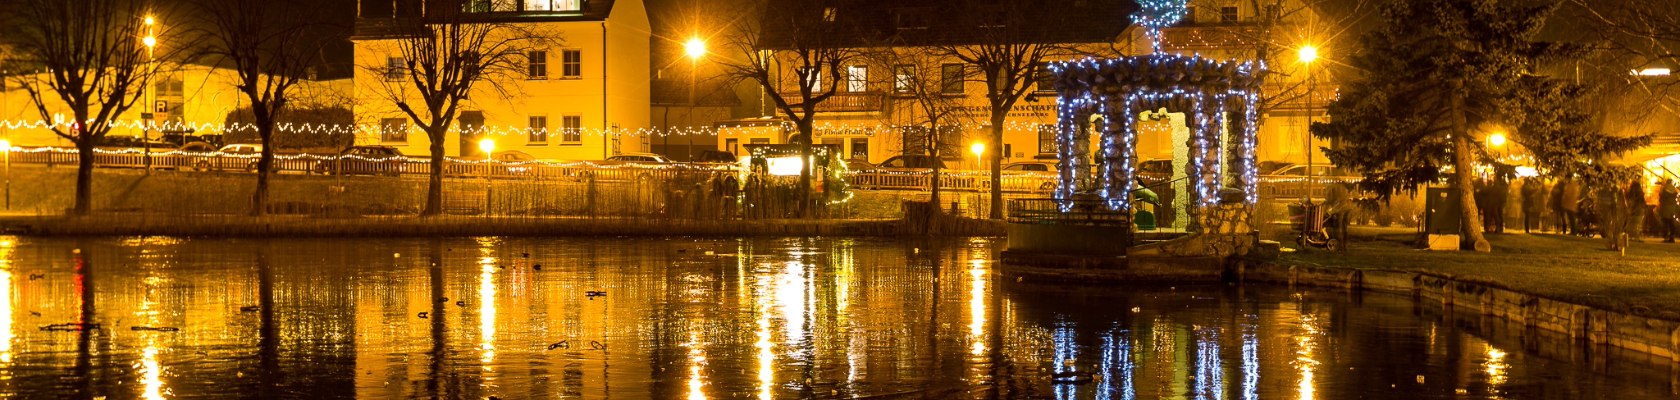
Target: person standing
column 1569, row 204
column 1498, row 191
column 1533, row 201
column 1634, row 222
column 1666, row 208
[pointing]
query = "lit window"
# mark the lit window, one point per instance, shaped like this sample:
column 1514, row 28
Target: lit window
column 813, row 78
column 571, row 129
column 857, row 78
column 903, row 77
column 1227, row 14
column 951, row 78
column 829, row 14
column 538, row 67
column 553, row 5
column 539, row 129
column 571, row 64
column 1046, row 139
column 393, row 130
column 1046, row 79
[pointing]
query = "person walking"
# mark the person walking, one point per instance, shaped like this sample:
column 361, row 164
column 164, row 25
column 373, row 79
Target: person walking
column 1569, row 204
column 1666, row 208
column 1498, row 192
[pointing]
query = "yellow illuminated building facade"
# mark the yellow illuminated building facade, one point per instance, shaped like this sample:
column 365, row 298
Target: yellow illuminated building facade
column 582, row 94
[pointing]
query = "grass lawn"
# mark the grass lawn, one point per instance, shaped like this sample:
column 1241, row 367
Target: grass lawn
column 1646, row 281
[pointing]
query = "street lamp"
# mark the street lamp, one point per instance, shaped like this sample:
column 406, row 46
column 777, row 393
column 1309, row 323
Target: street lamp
column 6, row 147
column 146, row 129
column 695, row 48
column 978, row 148
column 1497, row 140
column 488, row 146
column 1308, row 54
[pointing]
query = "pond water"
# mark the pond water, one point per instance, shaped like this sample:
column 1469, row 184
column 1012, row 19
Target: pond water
column 722, row 318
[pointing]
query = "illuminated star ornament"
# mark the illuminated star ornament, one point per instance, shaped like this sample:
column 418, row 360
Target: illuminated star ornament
column 1157, row 14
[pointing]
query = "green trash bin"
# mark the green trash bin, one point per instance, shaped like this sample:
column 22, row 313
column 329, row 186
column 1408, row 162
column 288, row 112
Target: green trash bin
column 1145, row 217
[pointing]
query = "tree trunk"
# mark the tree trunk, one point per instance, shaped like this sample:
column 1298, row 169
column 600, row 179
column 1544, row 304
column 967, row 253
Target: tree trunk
column 804, row 196
column 84, row 175
column 265, row 166
column 434, row 186
column 1462, row 170
column 997, row 164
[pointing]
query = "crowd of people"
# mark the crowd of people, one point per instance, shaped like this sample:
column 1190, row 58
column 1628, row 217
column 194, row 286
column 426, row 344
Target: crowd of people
column 1619, row 212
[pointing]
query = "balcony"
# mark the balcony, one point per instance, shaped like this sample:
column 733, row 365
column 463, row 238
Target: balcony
column 1209, row 37
column 862, row 102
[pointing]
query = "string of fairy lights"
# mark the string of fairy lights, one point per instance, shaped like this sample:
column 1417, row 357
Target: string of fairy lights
column 1205, row 87
column 855, row 128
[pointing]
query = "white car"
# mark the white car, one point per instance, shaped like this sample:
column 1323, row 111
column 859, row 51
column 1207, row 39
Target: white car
column 241, row 149
column 640, row 158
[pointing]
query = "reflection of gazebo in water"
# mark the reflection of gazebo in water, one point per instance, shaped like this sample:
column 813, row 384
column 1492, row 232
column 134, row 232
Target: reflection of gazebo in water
column 1100, row 102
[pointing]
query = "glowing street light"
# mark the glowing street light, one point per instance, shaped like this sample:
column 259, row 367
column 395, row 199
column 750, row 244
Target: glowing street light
column 978, row 149
column 1308, row 54
column 695, row 48
column 488, row 146
column 1497, row 139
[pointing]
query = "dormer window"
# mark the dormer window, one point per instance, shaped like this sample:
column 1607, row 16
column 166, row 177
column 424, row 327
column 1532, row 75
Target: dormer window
column 553, row 5
column 829, row 14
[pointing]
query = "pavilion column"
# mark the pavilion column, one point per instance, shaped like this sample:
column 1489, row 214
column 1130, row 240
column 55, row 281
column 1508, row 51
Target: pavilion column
column 1241, row 168
column 1074, row 150
column 1119, row 151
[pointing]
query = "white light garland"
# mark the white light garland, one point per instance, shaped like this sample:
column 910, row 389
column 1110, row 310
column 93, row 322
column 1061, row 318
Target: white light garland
column 850, row 129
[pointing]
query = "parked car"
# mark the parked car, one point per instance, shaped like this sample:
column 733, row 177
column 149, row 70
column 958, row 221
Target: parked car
column 859, row 164
column 512, row 161
column 230, row 157
column 912, row 161
column 1028, row 176
column 364, row 160
column 198, row 147
column 1321, row 171
column 640, row 158
column 1047, row 167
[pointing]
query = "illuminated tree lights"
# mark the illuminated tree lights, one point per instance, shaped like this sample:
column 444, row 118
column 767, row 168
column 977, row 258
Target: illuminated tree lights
column 1103, row 97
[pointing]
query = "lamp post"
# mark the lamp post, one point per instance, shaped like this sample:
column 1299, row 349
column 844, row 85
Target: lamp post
column 1496, row 140
column 146, row 129
column 489, row 147
column 6, row 147
column 695, row 49
column 1308, row 54
column 979, row 149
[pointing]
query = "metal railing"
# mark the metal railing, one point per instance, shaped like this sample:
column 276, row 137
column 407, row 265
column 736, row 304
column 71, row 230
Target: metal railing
column 1048, row 211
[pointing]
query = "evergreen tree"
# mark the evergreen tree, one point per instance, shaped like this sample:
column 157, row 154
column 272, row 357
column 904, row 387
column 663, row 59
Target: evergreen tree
column 1432, row 77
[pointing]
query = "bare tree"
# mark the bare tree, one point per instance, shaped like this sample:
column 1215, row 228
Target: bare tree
column 801, row 37
column 95, row 66
column 446, row 54
column 269, row 46
column 916, row 77
column 1009, row 47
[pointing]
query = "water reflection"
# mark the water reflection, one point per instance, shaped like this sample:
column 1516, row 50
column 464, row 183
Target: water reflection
column 700, row 319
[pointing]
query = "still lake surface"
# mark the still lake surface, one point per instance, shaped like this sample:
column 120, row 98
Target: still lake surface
column 521, row 318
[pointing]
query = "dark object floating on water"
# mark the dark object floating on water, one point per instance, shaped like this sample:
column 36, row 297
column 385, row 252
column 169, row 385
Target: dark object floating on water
column 36, row 276
column 536, row 267
column 155, row 329
column 1070, row 378
column 525, row 255
column 597, row 345
column 462, row 303
column 34, row 313
column 559, row 345
column 682, row 250
column 595, row 293
column 422, row 315
column 249, row 308
column 73, row 326
column 443, row 299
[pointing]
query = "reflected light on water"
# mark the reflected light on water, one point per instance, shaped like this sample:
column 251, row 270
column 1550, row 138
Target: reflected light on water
column 1116, row 359
column 766, row 357
column 1210, row 375
column 6, row 334
column 1304, row 353
column 487, row 310
column 1496, row 368
column 977, row 306
column 790, row 299
column 151, row 374
column 696, row 360
column 1066, row 352
column 1251, row 364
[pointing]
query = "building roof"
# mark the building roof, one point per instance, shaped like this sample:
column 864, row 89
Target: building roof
column 865, row 23
column 382, row 19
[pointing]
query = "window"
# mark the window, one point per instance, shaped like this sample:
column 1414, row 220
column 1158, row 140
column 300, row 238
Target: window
column 951, row 78
column 903, row 77
column 571, row 129
column 1227, row 14
column 538, row 65
column 553, row 5
column 732, row 145
column 1046, row 79
column 829, row 13
column 860, row 148
column 469, row 65
column 571, row 64
column 539, row 129
column 393, row 130
column 395, row 68
column 813, row 77
column 1046, row 139
column 857, row 78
